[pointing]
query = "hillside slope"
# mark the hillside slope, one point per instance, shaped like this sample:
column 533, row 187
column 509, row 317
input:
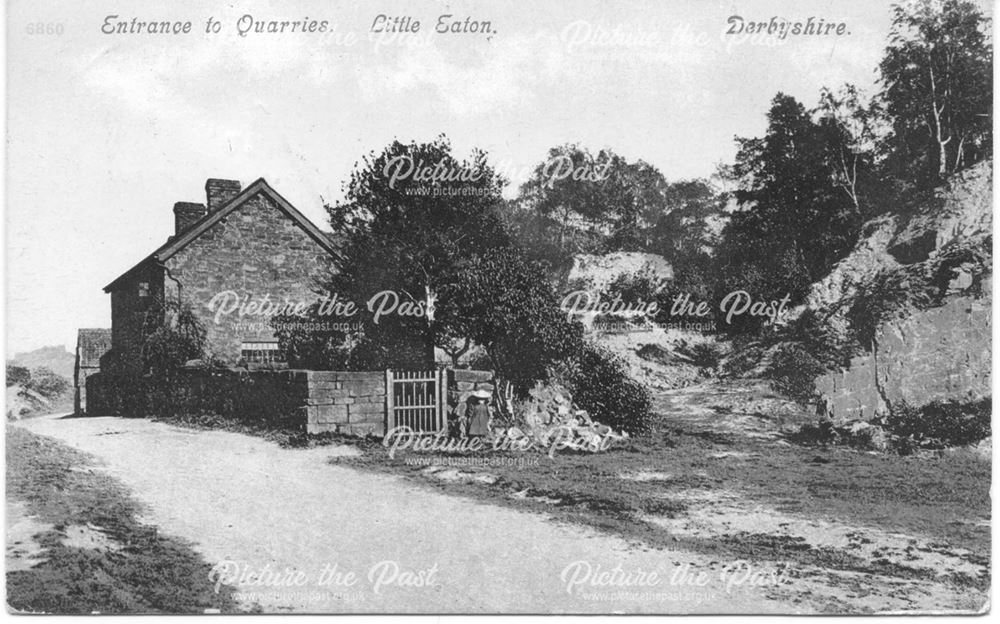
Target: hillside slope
column 56, row 358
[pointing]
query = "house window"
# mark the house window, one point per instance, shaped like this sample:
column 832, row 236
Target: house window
column 143, row 289
column 261, row 352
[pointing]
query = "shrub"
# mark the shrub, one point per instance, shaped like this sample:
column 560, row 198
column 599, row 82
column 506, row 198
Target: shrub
column 47, row 383
column 704, row 354
column 633, row 287
column 829, row 342
column 794, row 371
column 821, row 433
column 601, row 385
column 940, row 424
column 167, row 346
column 17, row 375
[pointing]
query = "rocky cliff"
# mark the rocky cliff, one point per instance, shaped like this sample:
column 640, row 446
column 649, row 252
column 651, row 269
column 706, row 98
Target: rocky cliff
column 923, row 276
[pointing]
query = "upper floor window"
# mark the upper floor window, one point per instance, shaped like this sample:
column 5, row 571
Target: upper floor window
column 143, row 289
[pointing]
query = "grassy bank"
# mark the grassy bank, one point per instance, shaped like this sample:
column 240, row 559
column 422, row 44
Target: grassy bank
column 91, row 553
column 625, row 490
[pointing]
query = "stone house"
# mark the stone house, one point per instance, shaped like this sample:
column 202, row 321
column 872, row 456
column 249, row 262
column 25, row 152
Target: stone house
column 91, row 345
column 229, row 261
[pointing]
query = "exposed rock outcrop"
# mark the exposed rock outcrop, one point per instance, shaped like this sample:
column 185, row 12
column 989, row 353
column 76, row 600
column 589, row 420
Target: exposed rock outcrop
column 597, row 272
column 919, row 354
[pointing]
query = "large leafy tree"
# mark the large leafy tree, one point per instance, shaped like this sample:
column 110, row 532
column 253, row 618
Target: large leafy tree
column 581, row 197
column 793, row 220
column 684, row 234
column 438, row 241
column 503, row 302
column 414, row 216
column 853, row 129
column 937, row 87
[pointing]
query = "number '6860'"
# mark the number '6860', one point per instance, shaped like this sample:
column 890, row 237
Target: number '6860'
column 44, row 28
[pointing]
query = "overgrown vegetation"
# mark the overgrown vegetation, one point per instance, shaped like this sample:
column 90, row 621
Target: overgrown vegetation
column 41, row 380
column 919, row 286
column 601, row 384
column 38, row 390
column 907, row 429
column 939, row 424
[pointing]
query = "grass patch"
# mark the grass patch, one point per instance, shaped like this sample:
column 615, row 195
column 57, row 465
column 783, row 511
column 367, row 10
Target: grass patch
column 144, row 573
column 941, row 497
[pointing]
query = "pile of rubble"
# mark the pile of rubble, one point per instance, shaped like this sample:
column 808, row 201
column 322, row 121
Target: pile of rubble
column 549, row 412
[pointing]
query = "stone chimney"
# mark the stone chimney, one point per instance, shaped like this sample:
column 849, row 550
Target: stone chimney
column 185, row 214
column 218, row 193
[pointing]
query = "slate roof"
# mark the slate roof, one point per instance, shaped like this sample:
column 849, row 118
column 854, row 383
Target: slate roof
column 199, row 227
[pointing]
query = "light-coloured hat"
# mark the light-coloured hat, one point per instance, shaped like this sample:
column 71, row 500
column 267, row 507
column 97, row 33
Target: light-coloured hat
column 482, row 394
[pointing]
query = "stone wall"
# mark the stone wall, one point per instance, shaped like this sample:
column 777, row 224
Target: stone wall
column 344, row 402
column 461, row 382
column 352, row 403
column 80, row 388
column 312, row 401
column 942, row 353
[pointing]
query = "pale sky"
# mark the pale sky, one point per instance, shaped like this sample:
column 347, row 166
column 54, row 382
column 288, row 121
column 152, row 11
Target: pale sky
column 106, row 132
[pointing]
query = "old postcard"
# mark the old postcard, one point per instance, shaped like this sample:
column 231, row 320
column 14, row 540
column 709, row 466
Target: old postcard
column 571, row 307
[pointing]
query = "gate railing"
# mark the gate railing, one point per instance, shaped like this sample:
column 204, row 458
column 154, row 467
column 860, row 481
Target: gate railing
column 416, row 399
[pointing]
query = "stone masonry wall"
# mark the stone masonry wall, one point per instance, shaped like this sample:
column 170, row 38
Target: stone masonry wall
column 133, row 312
column 352, row 403
column 344, row 402
column 256, row 251
column 80, row 394
column 461, row 382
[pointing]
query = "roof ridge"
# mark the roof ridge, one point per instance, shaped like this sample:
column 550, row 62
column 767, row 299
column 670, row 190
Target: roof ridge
column 196, row 229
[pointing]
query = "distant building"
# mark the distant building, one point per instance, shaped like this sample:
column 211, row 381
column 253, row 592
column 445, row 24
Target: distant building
column 91, row 345
column 242, row 248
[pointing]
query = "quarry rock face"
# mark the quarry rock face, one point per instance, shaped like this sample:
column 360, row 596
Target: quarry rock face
column 596, row 272
column 868, row 258
column 962, row 212
column 940, row 353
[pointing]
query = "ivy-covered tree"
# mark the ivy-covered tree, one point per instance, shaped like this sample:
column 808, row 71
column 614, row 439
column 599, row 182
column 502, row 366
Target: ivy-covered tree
column 172, row 341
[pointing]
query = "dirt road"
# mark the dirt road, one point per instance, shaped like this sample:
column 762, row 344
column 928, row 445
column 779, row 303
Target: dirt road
column 298, row 534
